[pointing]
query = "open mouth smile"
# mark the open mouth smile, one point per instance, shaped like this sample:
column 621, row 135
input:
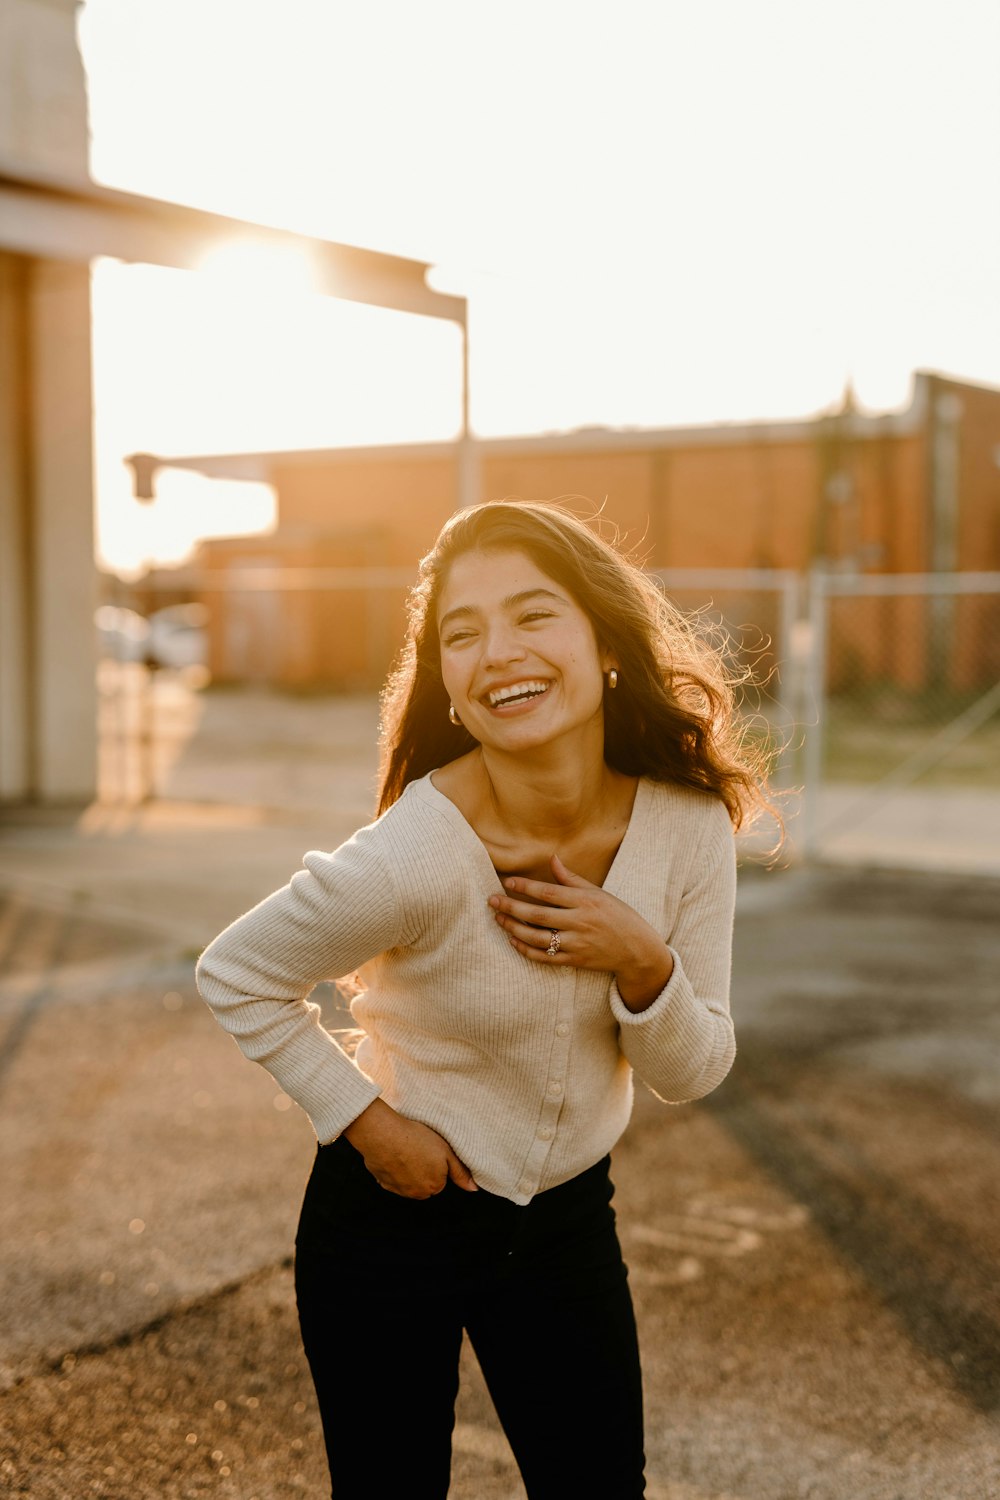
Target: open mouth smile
column 518, row 692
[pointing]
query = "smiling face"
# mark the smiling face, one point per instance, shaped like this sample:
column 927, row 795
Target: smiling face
column 519, row 657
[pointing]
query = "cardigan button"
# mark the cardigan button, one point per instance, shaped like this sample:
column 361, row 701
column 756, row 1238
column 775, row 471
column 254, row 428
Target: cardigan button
column 562, row 1029
column 555, row 1088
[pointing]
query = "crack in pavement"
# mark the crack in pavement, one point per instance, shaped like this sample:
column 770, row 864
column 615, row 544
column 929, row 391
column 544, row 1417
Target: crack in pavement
column 94, row 1348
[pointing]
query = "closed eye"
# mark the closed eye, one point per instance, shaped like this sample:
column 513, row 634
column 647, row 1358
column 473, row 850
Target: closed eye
column 535, row 614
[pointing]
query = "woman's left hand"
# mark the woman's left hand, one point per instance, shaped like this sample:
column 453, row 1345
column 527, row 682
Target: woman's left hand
column 596, row 931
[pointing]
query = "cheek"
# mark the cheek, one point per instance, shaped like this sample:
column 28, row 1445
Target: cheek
column 452, row 674
column 585, row 664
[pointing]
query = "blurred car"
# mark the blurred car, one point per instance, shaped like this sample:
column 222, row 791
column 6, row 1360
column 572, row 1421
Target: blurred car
column 175, row 636
column 178, row 635
column 122, row 635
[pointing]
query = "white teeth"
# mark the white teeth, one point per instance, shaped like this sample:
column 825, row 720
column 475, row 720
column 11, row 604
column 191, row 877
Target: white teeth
column 519, row 691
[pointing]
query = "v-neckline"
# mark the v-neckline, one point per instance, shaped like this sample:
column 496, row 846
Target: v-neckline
column 491, row 880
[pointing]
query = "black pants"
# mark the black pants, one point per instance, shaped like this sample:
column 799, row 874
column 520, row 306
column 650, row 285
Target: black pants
column 385, row 1286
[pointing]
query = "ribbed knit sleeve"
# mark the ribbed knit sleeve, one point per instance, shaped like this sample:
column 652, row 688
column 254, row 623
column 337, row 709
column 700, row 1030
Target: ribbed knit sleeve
column 682, row 1045
column 334, row 915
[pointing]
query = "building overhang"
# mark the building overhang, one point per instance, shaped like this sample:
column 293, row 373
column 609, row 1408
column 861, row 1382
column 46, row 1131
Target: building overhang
column 42, row 216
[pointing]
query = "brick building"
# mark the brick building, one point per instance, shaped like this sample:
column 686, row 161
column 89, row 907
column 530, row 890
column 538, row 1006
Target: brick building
column 910, row 492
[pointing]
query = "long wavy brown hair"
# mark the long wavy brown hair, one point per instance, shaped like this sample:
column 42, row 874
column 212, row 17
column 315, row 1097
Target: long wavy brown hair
column 673, row 715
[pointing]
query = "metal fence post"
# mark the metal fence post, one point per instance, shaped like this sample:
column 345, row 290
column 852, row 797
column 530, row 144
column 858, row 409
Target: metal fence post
column 789, row 674
column 815, row 697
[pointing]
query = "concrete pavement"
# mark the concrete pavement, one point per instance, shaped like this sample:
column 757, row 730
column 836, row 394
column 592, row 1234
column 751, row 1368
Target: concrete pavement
column 813, row 1248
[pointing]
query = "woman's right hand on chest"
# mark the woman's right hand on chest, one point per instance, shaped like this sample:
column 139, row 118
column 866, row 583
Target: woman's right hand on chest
column 404, row 1156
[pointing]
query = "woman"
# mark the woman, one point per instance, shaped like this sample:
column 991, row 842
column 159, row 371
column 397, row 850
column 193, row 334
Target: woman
column 543, row 906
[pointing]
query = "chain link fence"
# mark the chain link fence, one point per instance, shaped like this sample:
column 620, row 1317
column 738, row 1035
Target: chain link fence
column 904, row 673
column 879, row 693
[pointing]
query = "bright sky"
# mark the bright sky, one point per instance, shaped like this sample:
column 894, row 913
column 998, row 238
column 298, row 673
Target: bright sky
column 663, row 213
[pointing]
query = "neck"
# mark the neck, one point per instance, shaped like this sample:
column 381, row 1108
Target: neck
column 555, row 794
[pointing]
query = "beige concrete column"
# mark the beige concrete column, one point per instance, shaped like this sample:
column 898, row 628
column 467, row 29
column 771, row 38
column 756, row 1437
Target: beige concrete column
column 43, row 99
column 47, row 588
column 62, row 533
column 15, row 595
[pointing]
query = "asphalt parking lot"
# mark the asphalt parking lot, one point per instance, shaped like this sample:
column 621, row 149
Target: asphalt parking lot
column 813, row 1248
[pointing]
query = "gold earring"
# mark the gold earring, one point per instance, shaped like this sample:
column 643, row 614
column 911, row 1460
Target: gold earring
column 613, row 678
column 453, row 716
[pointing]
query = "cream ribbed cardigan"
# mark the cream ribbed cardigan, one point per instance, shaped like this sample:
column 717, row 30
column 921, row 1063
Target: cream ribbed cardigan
column 525, row 1069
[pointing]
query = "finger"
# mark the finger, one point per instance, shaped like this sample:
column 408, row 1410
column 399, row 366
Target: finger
column 460, row 1174
column 539, row 890
column 532, row 934
column 538, row 955
column 565, row 876
column 524, row 911
column 403, row 1189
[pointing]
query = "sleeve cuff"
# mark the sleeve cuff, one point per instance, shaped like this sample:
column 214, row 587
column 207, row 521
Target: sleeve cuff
column 653, row 1012
column 331, row 1117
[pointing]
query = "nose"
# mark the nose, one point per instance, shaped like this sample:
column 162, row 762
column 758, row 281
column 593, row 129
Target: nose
column 501, row 644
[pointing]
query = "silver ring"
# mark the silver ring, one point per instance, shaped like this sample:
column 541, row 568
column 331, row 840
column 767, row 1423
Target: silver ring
column 553, row 947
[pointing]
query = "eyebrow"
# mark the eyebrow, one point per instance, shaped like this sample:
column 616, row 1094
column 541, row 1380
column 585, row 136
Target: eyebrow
column 511, row 602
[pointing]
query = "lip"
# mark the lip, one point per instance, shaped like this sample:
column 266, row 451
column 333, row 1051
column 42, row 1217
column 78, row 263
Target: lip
column 513, row 682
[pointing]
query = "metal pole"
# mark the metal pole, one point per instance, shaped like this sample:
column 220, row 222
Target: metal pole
column 121, row 713
column 468, row 456
column 789, row 607
column 146, row 734
column 815, row 696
